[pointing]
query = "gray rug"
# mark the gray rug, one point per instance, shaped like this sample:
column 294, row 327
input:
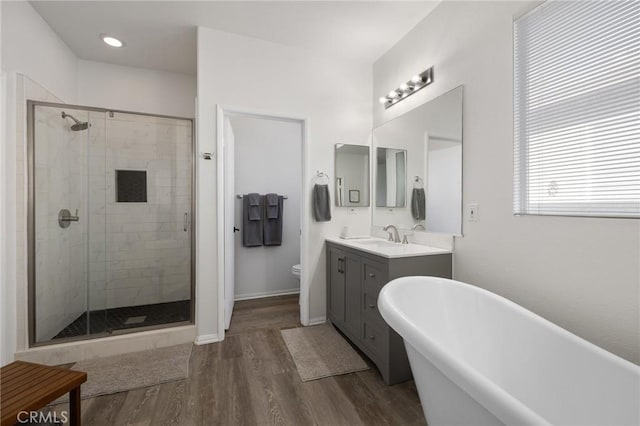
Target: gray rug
column 134, row 370
column 320, row 351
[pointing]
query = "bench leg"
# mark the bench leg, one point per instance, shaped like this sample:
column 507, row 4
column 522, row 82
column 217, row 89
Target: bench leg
column 75, row 414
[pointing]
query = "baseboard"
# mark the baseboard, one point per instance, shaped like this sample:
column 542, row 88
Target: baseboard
column 205, row 339
column 317, row 320
column 267, row 294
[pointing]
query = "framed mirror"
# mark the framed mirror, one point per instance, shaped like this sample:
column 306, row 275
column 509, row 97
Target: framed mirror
column 418, row 167
column 352, row 175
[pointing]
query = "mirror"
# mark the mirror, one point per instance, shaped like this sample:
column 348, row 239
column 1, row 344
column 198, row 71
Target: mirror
column 418, row 167
column 391, row 177
column 352, row 175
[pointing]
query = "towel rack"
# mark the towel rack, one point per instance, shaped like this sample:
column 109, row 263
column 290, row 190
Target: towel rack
column 320, row 174
column 418, row 182
column 239, row 197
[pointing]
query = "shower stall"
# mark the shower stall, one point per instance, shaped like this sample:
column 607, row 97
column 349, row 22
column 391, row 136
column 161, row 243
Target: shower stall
column 110, row 243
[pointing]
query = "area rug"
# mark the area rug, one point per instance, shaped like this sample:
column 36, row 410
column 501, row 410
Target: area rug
column 320, row 351
column 134, row 370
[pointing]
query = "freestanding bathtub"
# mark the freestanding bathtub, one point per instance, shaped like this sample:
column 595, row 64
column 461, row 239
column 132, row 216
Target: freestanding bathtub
column 479, row 359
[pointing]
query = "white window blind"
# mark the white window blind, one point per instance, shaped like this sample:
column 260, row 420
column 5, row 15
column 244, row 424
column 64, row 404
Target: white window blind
column 577, row 109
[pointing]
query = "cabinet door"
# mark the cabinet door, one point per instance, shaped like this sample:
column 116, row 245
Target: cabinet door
column 335, row 296
column 353, row 293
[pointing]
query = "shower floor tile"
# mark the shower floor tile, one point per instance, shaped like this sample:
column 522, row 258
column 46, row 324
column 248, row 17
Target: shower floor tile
column 108, row 320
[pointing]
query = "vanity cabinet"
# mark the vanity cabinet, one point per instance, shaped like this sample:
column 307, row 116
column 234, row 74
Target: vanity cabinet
column 354, row 280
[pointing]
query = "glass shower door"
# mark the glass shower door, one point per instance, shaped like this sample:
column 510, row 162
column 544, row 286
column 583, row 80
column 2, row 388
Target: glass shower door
column 148, row 244
column 62, row 223
column 110, row 207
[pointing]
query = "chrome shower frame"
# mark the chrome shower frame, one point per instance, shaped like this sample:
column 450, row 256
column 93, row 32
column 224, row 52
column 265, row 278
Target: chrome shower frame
column 31, row 246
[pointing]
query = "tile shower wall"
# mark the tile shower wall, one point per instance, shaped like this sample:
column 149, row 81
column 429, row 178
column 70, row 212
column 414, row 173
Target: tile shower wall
column 146, row 258
column 60, row 181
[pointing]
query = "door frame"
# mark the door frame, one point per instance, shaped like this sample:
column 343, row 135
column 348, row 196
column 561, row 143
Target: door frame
column 222, row 112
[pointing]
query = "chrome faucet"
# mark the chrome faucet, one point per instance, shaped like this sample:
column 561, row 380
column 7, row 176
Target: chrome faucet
column 418, row 225
column 393, row 233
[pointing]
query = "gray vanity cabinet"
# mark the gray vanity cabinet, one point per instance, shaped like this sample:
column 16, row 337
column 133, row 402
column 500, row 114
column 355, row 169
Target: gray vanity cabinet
column 354, row 280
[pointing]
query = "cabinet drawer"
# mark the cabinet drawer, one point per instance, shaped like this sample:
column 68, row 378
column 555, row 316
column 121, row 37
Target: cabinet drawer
column 374, row 278
column 375, row 338
column 370, row 309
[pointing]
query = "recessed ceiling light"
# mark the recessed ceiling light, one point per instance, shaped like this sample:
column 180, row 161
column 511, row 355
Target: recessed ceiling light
column 111, row 41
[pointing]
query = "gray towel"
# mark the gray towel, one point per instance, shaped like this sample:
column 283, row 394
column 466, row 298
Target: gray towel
column 252, row 229
column 255, row 212
column 271, row 205
column 321, row 203
column 418, row 204
column 273, row 226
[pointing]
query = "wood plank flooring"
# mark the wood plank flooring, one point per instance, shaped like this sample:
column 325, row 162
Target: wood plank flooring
column 250, row 379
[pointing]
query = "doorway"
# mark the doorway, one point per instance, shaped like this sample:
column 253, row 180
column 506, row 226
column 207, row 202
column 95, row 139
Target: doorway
column 260, row 153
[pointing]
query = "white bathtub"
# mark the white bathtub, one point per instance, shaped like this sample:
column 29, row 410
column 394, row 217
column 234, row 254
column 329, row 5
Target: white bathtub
column 479, row 359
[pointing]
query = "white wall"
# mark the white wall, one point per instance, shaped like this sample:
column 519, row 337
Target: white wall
column 250, row 73
column 581, row 273
column 136, row 89
column 268, row 156
column 29, row 47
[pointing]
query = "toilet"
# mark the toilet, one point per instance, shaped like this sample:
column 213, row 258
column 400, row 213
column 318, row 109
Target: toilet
column 295, row 270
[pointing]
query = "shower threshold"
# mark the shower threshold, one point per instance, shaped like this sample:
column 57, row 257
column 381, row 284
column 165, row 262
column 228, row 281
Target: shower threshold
column 110, row 320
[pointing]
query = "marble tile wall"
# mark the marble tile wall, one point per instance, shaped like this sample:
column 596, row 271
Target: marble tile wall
column 147, row 251
column 61, row 253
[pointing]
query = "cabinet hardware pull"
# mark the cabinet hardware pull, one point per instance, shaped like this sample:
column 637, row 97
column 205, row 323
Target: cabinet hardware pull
column 372, row 306
column 372, row 337
column 372, row 274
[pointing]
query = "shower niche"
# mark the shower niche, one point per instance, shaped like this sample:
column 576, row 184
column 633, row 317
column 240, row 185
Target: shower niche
column 123, row 260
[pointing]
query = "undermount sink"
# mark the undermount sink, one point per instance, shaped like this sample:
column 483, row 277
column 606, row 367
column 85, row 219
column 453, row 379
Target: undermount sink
column 389, row 249
column 377, row 243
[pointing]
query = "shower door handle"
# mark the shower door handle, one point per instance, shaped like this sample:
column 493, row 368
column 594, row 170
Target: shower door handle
column 186, row 222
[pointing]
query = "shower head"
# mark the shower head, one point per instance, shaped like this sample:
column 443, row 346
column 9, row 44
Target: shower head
column 79, row 125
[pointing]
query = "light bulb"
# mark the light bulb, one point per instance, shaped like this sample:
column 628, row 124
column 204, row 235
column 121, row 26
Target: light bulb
column 112, row 41
column 392, row 94
column 404, row 87
column 383, row 100
column 416, row 79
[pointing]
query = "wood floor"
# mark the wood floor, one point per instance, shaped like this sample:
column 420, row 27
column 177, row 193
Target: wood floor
column 250, row 379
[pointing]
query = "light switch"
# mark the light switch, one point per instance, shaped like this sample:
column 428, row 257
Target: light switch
column 472, row 212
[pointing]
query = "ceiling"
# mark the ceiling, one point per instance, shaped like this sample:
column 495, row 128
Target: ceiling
column 161, row 35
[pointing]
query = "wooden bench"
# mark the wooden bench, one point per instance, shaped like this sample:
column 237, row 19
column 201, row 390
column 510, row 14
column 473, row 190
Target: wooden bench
column 26, row 387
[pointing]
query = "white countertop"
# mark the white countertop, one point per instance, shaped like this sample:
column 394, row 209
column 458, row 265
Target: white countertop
column 384, row 248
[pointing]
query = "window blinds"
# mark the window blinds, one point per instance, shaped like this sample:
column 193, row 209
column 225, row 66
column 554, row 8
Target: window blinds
column 577, row 109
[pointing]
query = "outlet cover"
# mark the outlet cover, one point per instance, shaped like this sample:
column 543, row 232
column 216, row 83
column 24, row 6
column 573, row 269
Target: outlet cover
column 472, row 212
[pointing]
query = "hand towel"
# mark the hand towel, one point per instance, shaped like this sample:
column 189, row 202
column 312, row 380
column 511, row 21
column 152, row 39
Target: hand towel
column 272, row 227
column 321, row 203
column 271, row 205
column 418, row 204
column 251, row 229
column 254, row 209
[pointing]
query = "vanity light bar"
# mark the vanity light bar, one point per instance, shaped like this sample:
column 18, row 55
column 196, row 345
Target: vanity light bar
column 417, row 82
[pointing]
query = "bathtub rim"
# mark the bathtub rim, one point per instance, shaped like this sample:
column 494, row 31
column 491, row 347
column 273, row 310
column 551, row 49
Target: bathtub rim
column 493, row 397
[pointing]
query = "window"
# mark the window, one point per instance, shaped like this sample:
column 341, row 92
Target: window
column 577, row 109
